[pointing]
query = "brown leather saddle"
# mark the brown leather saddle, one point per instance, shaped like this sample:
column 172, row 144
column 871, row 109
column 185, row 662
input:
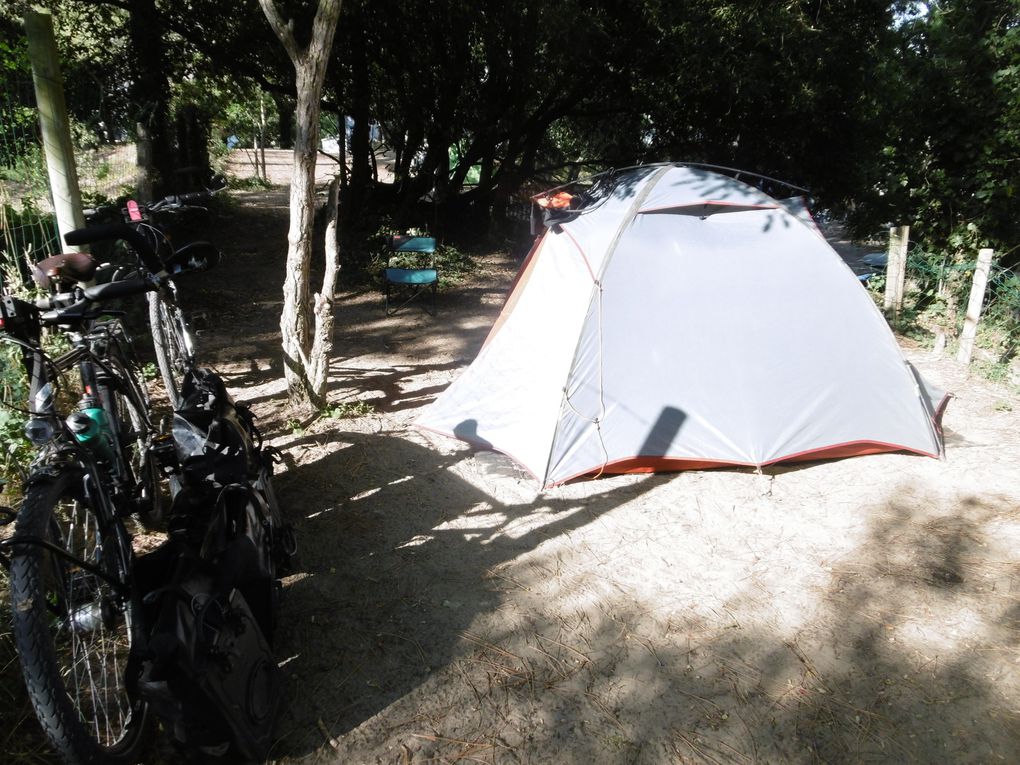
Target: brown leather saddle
column 63, row 269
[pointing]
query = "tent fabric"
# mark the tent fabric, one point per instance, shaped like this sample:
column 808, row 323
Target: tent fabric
column 683, row 319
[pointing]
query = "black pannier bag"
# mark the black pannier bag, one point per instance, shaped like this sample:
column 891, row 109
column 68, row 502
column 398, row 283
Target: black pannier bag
column 212, row 588
column 213, row 436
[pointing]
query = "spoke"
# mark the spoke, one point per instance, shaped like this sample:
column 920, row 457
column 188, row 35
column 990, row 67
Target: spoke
column 89, row 651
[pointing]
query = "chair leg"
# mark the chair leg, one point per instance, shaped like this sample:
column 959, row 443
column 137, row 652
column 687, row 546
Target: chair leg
column 405, row 294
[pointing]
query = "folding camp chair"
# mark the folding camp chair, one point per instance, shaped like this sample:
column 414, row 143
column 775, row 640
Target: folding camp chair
column 411, row 271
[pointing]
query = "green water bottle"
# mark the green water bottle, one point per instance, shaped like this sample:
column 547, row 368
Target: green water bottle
column 91, row 429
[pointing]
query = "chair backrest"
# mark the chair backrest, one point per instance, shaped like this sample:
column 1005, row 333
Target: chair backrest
column 404, row 243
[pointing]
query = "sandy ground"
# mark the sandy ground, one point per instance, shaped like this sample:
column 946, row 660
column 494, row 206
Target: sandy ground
column 445, row 611
column 863, row 610
column 240, row 163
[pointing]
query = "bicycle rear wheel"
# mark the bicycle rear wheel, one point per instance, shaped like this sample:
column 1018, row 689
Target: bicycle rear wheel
column 72, row 627
column 172, row 342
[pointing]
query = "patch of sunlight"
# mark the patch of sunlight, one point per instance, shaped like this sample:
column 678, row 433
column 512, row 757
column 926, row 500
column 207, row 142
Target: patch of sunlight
column 468, row 523
column 365, row 494
column 525, row 524
column 416, row 541
column 941, row 632
column 324, row 510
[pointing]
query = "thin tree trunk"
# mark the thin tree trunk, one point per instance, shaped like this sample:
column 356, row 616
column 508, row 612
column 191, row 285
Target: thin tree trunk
column 322, row 342
column 295, row 322
column 305, row 339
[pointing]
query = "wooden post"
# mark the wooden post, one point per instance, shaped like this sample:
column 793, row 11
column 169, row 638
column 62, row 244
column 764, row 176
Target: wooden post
column 896, row 272
column 977, row 299
column 262, row 135
column 53, row 122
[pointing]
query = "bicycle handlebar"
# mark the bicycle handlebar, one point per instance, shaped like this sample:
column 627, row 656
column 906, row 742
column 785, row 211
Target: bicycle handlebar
column 180, row 200
column 118, row 289
column 57, row 305
column 109, row 231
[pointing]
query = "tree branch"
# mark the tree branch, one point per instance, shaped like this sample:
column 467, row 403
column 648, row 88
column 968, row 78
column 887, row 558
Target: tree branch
column 324, row 26
column 284, row 29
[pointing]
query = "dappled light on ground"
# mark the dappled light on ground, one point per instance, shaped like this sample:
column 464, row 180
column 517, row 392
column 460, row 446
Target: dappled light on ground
column 862, row 610
column 444, row 610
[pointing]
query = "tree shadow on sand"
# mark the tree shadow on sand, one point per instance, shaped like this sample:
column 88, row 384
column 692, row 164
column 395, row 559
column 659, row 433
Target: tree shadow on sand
column 394, row 570
column 412, row 629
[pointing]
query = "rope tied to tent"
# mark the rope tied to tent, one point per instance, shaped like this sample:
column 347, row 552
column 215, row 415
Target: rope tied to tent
column 600, row 416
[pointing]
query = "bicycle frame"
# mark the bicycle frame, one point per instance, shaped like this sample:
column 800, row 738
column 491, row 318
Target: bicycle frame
column 61, row 450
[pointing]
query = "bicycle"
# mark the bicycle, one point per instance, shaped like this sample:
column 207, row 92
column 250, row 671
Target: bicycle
column 76, row 615
column 172, row 339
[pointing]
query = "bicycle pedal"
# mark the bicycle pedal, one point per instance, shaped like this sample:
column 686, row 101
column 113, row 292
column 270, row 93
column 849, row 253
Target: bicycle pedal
column 161, row 447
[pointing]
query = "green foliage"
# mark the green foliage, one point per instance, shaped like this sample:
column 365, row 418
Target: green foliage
column 452, row 263
column 27, row 234
column 346, row 410
column 249, row 183
column 15, row 450
column 952, row 110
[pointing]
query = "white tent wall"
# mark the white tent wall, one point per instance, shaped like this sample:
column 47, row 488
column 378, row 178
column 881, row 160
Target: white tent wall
column 714, row 328
column 742, row 338
column 515, row 386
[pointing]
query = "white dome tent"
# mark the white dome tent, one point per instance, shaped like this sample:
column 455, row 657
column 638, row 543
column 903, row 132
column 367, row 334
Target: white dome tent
column 672, row 318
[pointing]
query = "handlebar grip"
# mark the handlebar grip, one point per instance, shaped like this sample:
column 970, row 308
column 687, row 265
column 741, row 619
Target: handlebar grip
column 118, row 289
column 112, row 231
column 50, row 302
column 91, row 234
column 193, row 198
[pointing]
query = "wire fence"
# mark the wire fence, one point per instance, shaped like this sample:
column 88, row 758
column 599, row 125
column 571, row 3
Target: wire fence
column 939, row 288
column 106, row 168
column 26, row 220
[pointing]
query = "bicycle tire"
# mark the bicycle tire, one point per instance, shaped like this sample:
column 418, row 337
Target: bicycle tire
column 72, row 630
column 171, row 341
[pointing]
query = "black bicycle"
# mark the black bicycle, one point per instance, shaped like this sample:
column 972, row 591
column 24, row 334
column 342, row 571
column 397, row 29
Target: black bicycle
column 75, row 612
column 172, row 339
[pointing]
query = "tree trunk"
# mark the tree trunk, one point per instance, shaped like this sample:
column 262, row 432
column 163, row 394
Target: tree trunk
column 285, row 123
column 305, row 328
column 295, row 320
column 322, row 341
column 360, row 111
column 150, row 93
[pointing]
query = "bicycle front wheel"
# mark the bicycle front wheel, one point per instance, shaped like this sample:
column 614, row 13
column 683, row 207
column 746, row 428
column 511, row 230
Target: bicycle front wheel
column 172, row 342
column 72, row 626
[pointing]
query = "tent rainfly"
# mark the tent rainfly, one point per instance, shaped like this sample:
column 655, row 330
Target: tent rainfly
column 673, row 318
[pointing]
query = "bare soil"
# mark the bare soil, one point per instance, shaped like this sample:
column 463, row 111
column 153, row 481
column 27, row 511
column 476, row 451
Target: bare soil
column 859, row 611
column 863, row 610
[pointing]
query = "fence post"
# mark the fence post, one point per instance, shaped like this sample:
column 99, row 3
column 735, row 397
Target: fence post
column 896, row 272
column 55, row 127
column 977, row 299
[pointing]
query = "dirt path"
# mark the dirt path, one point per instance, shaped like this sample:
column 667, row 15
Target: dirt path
column 855, row 611
column 859, row 611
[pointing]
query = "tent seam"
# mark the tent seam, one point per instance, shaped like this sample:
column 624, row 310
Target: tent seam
column 628, row 219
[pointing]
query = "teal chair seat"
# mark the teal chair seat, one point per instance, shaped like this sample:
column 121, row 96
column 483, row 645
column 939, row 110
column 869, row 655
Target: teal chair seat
column 404, row 278
column 411, row 275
